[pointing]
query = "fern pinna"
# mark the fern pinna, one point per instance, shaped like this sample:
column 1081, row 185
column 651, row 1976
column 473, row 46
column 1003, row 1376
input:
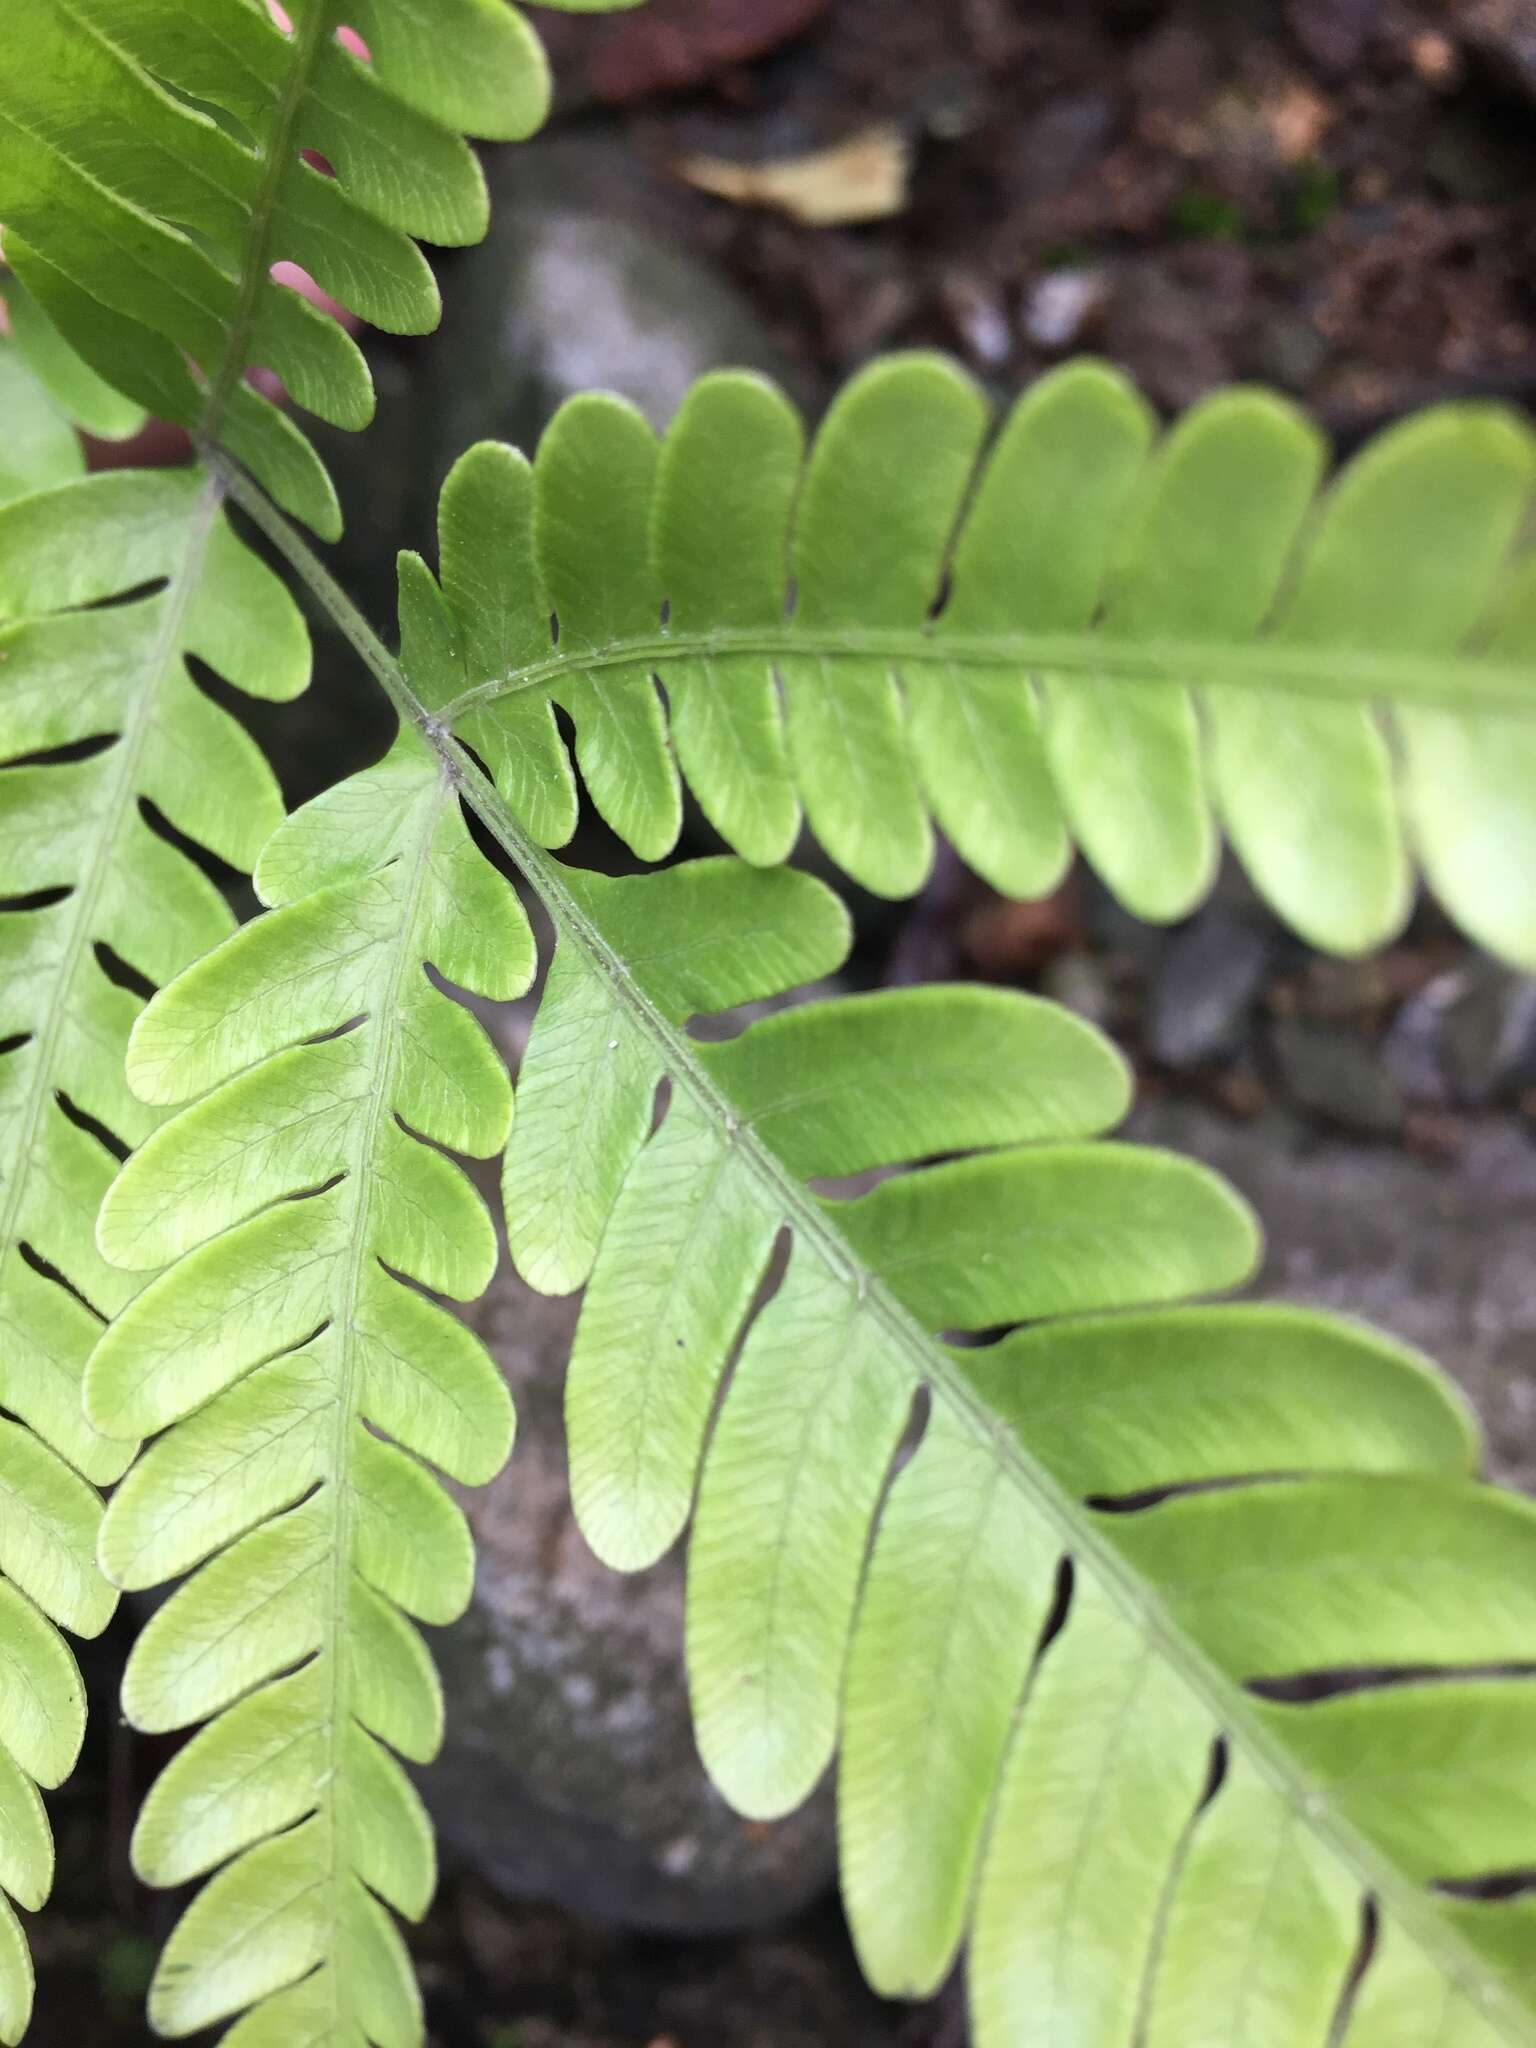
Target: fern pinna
column 100, row 720
column 47, row 398
column 1061, row 1646
column 1079, row 638
column 291, row 1368
column 157, row 159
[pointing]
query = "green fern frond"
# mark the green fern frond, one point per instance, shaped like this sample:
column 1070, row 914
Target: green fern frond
column 299, row 1373
column 1078, row 637
column 1245, row 1496
column 155, row 163
column 1083, row 1772
column 107, row 587
column 1028, row 1768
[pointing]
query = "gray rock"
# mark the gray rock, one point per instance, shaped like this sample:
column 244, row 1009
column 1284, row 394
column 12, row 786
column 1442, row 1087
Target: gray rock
column 1176, row 314
column 1437, row 1254
column 979, row 318
column 1114, row 932
column 1466, row 1039
column 569, row 1771
column 1061, row 305
column 1205, row 987
column 1051, row 149
column 585, row 282
column 1078, row 981
column 1336, row 1076
column 1288, row 349
column 1489, row 1034
column 1411, row 1049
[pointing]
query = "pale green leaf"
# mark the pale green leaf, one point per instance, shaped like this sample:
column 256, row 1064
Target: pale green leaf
column 298, row 1202
column 26, row 1847
column 718, row 555
column 1262, row 1931
column 1034, row 1634
column 40, row 446
column 1097, row 1792
column 817, row 1406
column 85, row 399
column 16, row 1979
column 1075, row 636
column 956, row 1593
column 154, row 169
column 108, row 587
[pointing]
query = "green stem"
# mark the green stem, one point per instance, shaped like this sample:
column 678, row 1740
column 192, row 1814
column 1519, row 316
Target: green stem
column 313, row 29
column 1338, row 677
column 1278, row 670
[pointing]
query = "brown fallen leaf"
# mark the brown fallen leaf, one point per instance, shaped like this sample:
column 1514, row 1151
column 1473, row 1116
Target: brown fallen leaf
column 864, row 178
column 674, row 45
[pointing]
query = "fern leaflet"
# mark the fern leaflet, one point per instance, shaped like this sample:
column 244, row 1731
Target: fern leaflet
column 100, row 717
column 1081, row 640
column 46, row 392
column 293, row 1369
column 157, row 159
column 65, row 385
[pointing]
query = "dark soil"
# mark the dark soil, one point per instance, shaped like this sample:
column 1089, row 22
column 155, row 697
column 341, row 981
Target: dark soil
column 1330, row 195
column 494, row 1975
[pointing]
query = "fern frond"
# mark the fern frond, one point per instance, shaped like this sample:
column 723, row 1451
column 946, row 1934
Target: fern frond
column 1070, row 637
column 1057, row 1647
column 1023, row 1764
column 1244, row 1496
column 299, row 1373
column 107, row 587
column 155, row 163
column 1054, row 1646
